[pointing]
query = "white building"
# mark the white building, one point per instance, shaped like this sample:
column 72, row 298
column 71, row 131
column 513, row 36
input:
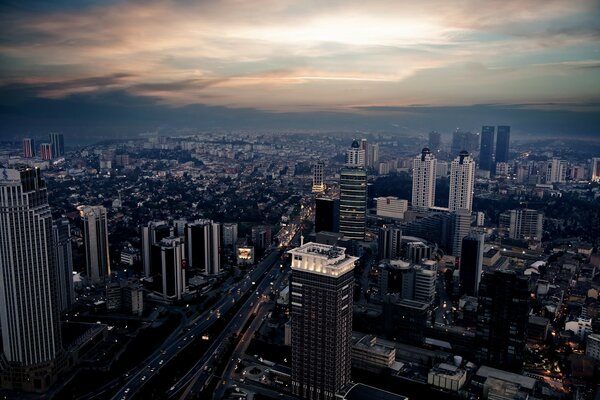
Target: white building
column 462, row 181
column 355, row 156
column 95, row 235
column 557, row 171
column 423, row 180
column 580, row 327
column 318, row 179
column 595, row 169
column 447, row 377
column 391, row 207
column 593, row 346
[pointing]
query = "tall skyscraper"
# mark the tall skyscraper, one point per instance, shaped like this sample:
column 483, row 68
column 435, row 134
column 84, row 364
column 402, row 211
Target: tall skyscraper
column 46, row 151
column 423, row 182
column 57, row 141
column 321, row 290
column 435, row 140
column 595, row 175
column 462, row 181
column 318, row 178
column 28, row 148
column 353, row 203
column 502, row 316
column 486, row 151
column 502, row 144
column 152, row 233
column 327, row 214
column 390, row 242
column 355, row 156
column 464, row 141
column 522, row 224
column 471, row 264
column 169, row 261
column 230, row 234
column 29, row 313
column 373, row 155
column 95, row 235
column 63, row 254
column 203, row 243
column 557, row 171
column 364, row 146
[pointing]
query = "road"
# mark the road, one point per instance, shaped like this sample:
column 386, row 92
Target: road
column 139, row 377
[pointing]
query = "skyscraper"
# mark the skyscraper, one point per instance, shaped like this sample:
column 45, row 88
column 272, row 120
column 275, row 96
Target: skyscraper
column 390, row 242
column 95, row 235
column 28, row 148
column 46, row 151
column 423, row 182
column 321, row 289
column 557, row 171
column 462, row 181
column 58, row 144
column 595, row 175
column 203, row 244
column 464, row 141
column 152, row 233
column 522, row 224
column 230, row 234
column 29, row 313
column 327, row 214
column 355, row 156
column 486, row 151
column 63, row 253
column 502, row 143
column 471, row 264
column 373, row 155
column 169, row 262
column 318, row 182
column 435, row 140
column 502, row 315
column 353, row 203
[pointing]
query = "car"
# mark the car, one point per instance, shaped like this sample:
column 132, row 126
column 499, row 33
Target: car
column 127, row 390
column 144, row 378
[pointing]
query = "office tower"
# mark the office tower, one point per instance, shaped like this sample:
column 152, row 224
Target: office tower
column 471, row 264
column 46, row 151
column 169, row 260
column 327, row 214
column 461, row 225
column 153, row 233
column 462, row 181
column 230, row 234
column 63, row 255
column 502, row 143
column 364, row 146
column 435, row 140
column 389, row 242
column 353, row 203
column 486, row 151
column 417, row 252
column 464, row 141
column 373, row 155
column 502, row 315
column 522, row 224
column 355, row 156
column 29, row 314
column 203, row 243
column 522, row 174
column 595, row 169
column 408, row 281
column 557, row 171
column 95, row 235
column 318, row 182
column 261, row 237
column 423, row 180
column 28, row 148
column 321, row 290
column 58, row 144
column 391, row 207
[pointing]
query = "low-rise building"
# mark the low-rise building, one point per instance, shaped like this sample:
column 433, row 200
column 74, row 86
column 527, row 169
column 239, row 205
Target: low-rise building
column 446, row 376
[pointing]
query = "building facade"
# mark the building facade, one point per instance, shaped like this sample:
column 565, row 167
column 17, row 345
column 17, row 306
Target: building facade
column 318, row 178
column 57, row 141
column 423, row 183
column 28, row 148
column 353, row 203
column 95, row 236
column 502, row 143
column 462, row 182
column 486, row 150
column 63, row 253
column 471, row 264
column 327, row 214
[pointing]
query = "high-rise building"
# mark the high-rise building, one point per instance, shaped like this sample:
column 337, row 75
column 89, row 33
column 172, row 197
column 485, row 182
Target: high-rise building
column 502, row 316
column 390, row 242
column 261, row 236
column 353, row 203
column 28, row 148
column 318, row 181
column 57, row 141
column 46, row 151
column 391, row 207
column 435, row 140
column 364, row 146
column 327, row 214
column 446, row 229
column 462, row 181
column 557, row 171
column 464, row 141
column 321, row 290
column 486, row 150
column 522, row 224
column 355, row 156
column 152, row 233
column 502, row 143
column 461, row 225
column 95, row 235
column 29, row 310
column 230, row 234
column 373, row 155
column 423, row 180
column 203, row 243
column 408, row 281
column 595, row 169
column 471, row 264
column 63, row 254
column 169, row 261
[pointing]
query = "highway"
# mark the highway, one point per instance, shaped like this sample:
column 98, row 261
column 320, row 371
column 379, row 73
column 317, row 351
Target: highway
column 139, row 377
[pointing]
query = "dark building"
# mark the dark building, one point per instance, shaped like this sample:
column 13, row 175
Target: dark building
column 63, row 256
column 353, row 203
column 405, row 320
column 151, row 234
column 57, row 141
column 502, row 317
column 168, row 259
column 471, row 264
column 390, row 242
column 321, row 289
column 203, row 245
column 464, row 141
column 261, row 237
column 446, row 229
column 435, row 140
column 502, row 144
column 486, row 150
column 28, row 148
column 327, row 214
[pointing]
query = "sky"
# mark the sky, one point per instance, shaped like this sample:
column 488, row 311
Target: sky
column 124, row 66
